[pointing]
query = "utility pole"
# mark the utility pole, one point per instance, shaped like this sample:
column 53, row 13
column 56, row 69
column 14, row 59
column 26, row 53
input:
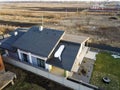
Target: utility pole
column 66, row 12
column 42, row 19
column 77, row 9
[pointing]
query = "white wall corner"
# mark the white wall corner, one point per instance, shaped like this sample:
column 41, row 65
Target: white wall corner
column 48, row 67
column 30, row 58
column 79, row 51
column 6, row 51
column 19, row 54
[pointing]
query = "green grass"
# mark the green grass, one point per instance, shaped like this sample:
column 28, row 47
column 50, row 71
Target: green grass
column 106, row 65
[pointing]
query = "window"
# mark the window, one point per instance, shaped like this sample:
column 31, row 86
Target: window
column 41, row 63
column 25, row 58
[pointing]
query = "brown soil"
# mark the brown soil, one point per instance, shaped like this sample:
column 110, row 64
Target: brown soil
column 71, row 17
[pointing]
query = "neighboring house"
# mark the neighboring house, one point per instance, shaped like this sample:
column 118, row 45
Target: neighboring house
column 2, row 68
column 49, row 50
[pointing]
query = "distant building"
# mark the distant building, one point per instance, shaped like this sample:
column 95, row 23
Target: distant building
column 104, row 7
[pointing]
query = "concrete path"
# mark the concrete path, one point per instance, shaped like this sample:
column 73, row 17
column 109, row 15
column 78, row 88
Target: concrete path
column 87, row 65
column 87, row 59
column 91, row 55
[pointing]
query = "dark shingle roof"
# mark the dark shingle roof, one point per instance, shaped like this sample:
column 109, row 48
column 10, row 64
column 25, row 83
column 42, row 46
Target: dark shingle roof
column 39, row 42
column 67, row 57
column 7, row 42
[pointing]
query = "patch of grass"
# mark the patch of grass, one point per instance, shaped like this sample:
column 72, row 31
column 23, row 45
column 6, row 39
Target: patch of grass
column 97, row 80
column 106, row 65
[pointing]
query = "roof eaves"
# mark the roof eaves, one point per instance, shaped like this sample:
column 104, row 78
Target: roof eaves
column 55, row 45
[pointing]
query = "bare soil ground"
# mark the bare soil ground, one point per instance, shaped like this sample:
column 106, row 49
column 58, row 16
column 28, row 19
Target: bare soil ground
column 72, row 17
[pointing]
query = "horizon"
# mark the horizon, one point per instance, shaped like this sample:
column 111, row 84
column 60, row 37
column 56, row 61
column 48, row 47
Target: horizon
column 57, row 0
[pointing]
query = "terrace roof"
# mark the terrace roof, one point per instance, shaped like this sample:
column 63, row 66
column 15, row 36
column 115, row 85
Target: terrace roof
column 68, row 55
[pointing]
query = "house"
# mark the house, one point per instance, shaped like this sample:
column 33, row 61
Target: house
column 2, row 68
column 47, row 50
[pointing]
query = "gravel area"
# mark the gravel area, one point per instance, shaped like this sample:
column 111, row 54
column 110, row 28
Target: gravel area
column 85, row 70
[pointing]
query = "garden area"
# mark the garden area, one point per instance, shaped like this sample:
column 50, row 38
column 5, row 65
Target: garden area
column 28, row 81
column 106, row 66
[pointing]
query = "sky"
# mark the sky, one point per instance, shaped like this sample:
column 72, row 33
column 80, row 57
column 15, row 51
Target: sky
column 58, row 0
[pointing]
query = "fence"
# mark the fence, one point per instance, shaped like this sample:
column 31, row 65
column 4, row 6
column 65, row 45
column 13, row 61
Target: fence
column 46, row 74
column 104, row 47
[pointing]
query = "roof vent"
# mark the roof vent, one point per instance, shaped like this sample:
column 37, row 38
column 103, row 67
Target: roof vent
column 59, row 52
column 40, row 28
column 15, row 33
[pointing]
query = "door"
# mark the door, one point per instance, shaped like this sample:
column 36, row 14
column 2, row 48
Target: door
column 25, row 58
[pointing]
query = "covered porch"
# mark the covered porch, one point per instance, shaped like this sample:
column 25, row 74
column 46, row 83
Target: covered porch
column 58, row 71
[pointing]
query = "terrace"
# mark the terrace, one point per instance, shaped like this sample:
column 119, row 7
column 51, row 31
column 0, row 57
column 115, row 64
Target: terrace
column 68, row 55
column 57, row 71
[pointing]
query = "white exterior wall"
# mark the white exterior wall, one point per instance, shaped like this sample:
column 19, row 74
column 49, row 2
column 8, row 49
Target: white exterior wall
column 67, row 73
column 80, row 50
column 48, row 67
column 32, row 58
column 19, row 54
column 6, row 51
column 28, row 53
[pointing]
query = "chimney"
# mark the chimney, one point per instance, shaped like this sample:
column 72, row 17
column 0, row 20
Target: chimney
column 15, row 33
column 40, row 28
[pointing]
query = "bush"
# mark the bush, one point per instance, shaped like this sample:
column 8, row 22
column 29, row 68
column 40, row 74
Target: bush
column 84, row 71
column 113, row 18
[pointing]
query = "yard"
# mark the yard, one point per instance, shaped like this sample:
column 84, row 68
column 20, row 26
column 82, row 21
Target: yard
column 29, row 81
column 106, row 65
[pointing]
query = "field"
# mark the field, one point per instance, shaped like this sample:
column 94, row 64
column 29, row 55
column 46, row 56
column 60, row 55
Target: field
column 106, row 65
column 72, row 17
